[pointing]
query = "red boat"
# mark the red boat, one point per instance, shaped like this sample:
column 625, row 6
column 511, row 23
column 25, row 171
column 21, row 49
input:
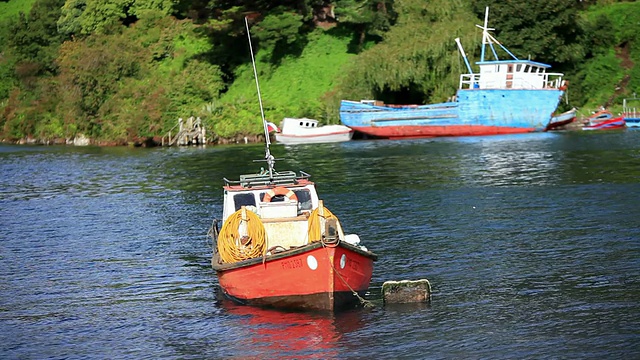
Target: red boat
column 598, row 117
column 615, row 123
column 604, row 120
column 563, row 119
column 283, row 248
column 279, row 246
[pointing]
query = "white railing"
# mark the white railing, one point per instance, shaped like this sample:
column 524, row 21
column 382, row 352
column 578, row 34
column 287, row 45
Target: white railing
column 500, row 81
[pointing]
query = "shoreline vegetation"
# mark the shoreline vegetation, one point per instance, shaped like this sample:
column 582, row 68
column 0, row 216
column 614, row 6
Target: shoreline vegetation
column 156, row 141
column 111, row 73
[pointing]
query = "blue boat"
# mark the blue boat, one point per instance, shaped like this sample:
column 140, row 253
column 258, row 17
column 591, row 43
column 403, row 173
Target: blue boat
column 504, row 97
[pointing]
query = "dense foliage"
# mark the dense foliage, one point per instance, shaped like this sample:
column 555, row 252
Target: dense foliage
column 123, row 70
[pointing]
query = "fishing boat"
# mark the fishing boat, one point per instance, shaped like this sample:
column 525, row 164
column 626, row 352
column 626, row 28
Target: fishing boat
column 610, row 124
column 504, row 97
column 597, row 117
column 603, row 119
column 307, row 131
column 280, row 246
column 631, row 114
column 563, row 119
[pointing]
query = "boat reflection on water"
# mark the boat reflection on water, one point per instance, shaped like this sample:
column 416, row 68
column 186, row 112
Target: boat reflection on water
column 273, row 333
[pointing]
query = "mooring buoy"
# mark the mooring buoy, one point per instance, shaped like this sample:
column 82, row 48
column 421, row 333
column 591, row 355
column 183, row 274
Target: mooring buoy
column 406, row 291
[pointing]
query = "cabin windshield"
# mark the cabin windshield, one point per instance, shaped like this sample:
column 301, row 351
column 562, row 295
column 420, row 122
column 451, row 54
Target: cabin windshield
column 304, row 199
column 303, row 195
column 244, row 199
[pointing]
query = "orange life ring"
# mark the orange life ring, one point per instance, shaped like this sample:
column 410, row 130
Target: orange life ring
column 279, row 190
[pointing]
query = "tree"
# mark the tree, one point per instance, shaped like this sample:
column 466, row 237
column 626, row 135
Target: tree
column 34, row 39
column 417, row 62
column 545, row 30
column 82, row 17
column 69, row 20
column 92, row 71
column 368, row 18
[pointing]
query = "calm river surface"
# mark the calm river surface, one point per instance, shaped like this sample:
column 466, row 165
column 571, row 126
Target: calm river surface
column 531, row 244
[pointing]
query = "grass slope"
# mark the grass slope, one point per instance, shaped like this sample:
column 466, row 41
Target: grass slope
column 297, row 86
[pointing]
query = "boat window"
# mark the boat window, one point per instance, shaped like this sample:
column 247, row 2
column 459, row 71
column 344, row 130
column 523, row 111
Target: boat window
column 518, row 67
column 245, row 199
column 304, row 199
column 274, row 198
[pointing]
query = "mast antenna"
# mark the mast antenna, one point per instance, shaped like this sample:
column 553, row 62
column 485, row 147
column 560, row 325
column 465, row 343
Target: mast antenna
column 268, row 157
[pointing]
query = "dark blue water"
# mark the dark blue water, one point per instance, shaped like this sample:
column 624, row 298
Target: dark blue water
column 531, row 244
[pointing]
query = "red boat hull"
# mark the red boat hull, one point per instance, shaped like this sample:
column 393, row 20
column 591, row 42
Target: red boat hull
column 406, row 132
column 615, row 123
column 313, row 277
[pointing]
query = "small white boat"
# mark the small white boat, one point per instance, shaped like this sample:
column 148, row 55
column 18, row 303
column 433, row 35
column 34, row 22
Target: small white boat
column 559, row 120
column 306, row 131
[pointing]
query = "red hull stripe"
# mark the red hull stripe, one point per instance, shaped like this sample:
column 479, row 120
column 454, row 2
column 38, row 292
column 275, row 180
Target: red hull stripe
column 398, row 132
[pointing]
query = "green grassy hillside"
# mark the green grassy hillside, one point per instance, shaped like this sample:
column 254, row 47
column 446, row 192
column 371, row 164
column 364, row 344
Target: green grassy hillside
column 13, row 8
column 613, row 72
column 297, row 87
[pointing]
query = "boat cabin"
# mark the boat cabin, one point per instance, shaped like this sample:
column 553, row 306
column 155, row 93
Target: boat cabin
column 283, row 202
column 511, row 74
column 290, row 125
column 253, row 191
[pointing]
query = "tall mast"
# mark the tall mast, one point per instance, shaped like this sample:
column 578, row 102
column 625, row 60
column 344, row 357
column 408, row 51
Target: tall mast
column 485, row 32
column 464, row 56
column 268, row 157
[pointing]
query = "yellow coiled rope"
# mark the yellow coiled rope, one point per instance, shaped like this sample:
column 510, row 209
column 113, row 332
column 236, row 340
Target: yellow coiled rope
column 315, row 223
column 242, row 237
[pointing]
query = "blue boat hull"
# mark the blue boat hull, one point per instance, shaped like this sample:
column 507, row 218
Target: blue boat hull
column 633, row 122
column 476, row 112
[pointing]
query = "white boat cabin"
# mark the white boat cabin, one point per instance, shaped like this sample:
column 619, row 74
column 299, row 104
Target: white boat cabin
column 283, row 203
column 291, row 125
column 506, row 74
column 516, row 74
column 252, row 190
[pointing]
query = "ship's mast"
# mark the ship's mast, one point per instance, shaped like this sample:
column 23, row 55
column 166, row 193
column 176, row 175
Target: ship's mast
column 268, row 157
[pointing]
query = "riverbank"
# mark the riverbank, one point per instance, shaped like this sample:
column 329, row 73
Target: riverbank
column 154, row 141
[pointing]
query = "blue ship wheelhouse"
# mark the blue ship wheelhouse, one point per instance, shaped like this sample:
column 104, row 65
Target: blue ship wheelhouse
column 506, row 74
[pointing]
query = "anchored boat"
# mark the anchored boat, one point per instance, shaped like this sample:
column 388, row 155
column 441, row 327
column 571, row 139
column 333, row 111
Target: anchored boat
column 279, row 246
column 563, row 119
column 307, row 131
column 504, row 97
column 603, row 120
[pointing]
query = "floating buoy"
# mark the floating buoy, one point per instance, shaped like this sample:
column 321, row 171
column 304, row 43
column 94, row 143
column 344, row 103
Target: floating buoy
column 406, row 291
